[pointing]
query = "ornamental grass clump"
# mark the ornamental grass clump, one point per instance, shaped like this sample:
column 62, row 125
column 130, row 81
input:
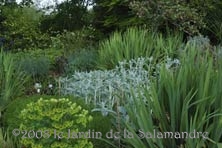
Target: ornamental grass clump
column 134, row 43
column 185, row 99
column 51, row 123
column 12, row 81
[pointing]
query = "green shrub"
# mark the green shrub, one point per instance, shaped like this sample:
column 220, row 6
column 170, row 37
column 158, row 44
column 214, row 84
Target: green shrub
column 184, row 99
column 35, row 67
column 51, row 59
column 21, row 28
column 50, row 54
column 82, row 60
column 173, row 14
column 72, row 41
column 38, row 71
column 41, row 66
column 54, row 114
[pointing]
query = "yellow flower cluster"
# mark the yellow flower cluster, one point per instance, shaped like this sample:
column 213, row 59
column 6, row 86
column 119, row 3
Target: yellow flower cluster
column 54, row 114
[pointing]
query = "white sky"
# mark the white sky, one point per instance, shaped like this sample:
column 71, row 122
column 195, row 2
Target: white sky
column 43, row 2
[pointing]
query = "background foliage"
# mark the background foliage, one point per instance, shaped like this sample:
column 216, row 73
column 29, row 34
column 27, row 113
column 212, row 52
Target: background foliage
column 113, row 15
column 21, row 28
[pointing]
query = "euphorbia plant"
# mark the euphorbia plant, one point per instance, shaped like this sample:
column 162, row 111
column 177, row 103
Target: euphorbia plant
column 49, row 122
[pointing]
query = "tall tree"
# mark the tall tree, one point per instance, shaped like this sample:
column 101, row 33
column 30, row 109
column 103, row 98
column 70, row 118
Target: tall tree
column 113, row 14
column 21, row 27
column 70, row 15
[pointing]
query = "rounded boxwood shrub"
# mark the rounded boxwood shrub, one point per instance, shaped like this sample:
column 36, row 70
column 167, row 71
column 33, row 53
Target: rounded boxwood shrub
column 45, row 119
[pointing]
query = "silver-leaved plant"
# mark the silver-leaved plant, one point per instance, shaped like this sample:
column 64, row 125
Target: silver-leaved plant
column 107, row 89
